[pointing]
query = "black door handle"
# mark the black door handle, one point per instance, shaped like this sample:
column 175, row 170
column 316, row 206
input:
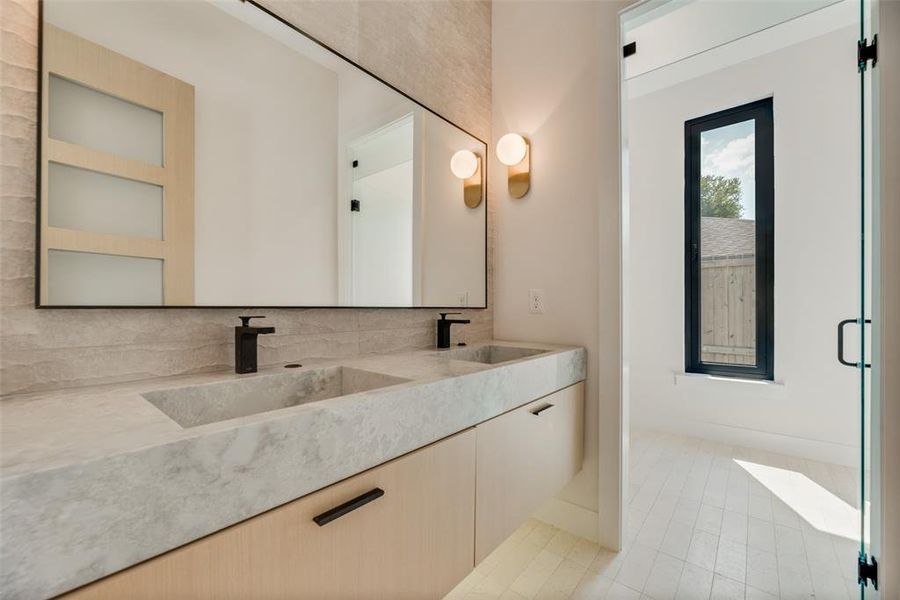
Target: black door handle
column 347, row 507
column 840, row 342
column 541, row 409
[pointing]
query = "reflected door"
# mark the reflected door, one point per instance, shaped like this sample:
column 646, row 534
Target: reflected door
column 117, row 162
column 382, row 216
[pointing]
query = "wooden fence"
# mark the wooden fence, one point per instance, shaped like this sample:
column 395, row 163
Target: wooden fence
column 728, row 309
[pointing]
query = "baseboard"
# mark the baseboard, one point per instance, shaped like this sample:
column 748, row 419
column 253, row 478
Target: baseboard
column 575, row 519
column 819, row 450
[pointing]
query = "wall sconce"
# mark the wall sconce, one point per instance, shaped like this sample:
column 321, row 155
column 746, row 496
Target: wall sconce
column 466, row 165
column 514, row 151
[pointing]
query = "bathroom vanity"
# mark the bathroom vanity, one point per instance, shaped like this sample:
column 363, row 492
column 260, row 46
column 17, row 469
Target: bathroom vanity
column 382, row 476
column 212, row 155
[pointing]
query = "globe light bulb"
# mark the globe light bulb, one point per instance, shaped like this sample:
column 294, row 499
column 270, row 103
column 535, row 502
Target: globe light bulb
column 511, row 149
column 464, row 164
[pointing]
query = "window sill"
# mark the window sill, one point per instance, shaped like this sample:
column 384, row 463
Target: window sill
column 732, row 384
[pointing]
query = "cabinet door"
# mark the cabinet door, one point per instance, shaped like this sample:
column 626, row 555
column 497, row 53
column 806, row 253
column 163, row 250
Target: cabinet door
column 525, row 457
column 415, row 541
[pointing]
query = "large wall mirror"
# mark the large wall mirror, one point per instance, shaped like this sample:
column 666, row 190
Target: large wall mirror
column 205, row 154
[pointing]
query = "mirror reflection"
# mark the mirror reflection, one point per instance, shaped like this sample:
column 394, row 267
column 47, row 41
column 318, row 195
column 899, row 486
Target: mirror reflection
column 206, row 154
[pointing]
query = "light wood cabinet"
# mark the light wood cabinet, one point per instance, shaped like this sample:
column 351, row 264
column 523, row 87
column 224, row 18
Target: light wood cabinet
column 415, row 541
column 525, row 457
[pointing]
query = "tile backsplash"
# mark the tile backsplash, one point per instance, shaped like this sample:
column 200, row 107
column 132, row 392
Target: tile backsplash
column 440, row 55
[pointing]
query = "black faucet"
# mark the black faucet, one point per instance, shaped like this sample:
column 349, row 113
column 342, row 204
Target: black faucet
column 245, row 344
column 443, row 328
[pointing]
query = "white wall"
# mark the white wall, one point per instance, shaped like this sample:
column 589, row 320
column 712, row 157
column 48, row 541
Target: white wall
column 452, row 236
column 555, row 81
column 814, row 410
column 887, row 309
column 265, row 142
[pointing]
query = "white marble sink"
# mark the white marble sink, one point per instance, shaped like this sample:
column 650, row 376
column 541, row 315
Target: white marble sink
column 490, row 355
column 204, row 404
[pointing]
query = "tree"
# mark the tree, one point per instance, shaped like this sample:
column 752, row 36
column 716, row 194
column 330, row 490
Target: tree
column 720, row 197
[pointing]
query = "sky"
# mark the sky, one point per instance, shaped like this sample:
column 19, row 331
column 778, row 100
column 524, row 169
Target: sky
column 729, row 151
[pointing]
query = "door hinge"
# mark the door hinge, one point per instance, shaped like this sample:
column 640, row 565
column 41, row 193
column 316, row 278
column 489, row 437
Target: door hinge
column 866, row 52
column 354, row 206
column 629, row 49
column 355, row 163
column 867, row 571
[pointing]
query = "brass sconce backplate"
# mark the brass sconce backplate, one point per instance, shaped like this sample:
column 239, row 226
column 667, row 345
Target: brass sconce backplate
column 473, row 188
column 519, row 176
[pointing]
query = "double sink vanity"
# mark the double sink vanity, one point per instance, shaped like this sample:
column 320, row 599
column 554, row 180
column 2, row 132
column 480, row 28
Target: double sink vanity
column 381, row 476
column 278, row 176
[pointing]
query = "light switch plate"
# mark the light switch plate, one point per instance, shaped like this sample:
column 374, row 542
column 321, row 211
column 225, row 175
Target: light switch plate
column 536, row 301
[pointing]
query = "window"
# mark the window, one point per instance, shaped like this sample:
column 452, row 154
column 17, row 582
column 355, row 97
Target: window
column 729, row 206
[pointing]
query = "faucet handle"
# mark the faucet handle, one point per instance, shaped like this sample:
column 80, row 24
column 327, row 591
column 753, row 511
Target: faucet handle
column 245, row 321
column 444, row 314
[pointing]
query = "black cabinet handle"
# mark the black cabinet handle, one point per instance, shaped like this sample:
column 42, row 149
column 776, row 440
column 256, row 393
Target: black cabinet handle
column 347, row 507
column 542, row 409
column 840, row 342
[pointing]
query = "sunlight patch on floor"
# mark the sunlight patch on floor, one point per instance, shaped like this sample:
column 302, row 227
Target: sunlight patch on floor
column 812, row 502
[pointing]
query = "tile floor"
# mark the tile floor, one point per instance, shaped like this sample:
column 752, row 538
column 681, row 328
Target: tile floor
column 705, row 520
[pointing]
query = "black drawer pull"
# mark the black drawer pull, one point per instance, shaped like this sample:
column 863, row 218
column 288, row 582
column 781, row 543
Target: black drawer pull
column 542, row 409
column 339, row 511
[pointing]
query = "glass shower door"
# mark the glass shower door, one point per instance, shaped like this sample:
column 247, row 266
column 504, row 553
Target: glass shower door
column 868, row 455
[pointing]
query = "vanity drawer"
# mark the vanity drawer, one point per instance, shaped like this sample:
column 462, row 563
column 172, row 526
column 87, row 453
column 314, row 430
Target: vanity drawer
column 525, row 457
column 400, row 530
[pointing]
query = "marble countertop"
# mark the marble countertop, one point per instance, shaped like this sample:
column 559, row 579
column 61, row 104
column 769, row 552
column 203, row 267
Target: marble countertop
column 93, row 480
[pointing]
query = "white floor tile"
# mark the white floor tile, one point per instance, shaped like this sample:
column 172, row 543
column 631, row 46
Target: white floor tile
column 607, row 563
column 734, row 526
column 664, row 507
column 663, row 580
column 561, row 543
column 677, row 540
column 795, row 584
column 761, row 506
column 789, row 545
column 686, row 511
column 563, row 581
column 828, row 585
column 592, row 587
column 783, row 515
column 584, row 552
column 731, row 560
column 737, row 501
column 536, row 574
column 652, row 531
column 508, row 594
column 619, row 591
column 762, row 571
column 695, row 583
column 727, row 589
column 761, row 535
column 702, row 551
column 709, row 518
column 510, row 564
column 636, row 567
column 757, row 594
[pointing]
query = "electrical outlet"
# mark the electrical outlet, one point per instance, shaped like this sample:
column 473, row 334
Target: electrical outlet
column 536, row 301
column 462, row 298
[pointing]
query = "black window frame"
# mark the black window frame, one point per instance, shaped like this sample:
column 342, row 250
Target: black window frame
column 762, row 114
